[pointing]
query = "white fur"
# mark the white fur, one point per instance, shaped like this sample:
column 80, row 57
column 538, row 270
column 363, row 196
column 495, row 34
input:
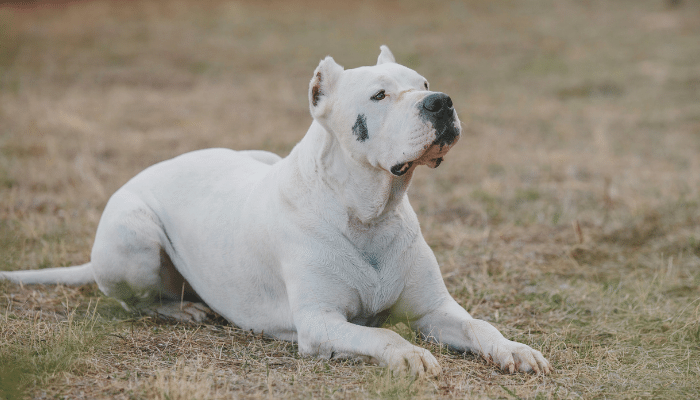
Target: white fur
column 309, row 248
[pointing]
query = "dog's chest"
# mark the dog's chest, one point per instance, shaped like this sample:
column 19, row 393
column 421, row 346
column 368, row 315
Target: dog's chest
column 379, row 276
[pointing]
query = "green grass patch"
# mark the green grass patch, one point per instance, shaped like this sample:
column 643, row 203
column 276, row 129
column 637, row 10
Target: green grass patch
column 36, row 352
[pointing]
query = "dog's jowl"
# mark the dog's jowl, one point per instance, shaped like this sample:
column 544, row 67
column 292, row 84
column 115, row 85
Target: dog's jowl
column 319, row 247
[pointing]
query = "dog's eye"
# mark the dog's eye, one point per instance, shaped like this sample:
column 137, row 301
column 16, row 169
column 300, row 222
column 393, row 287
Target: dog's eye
column 379, row 96
column 426, row 85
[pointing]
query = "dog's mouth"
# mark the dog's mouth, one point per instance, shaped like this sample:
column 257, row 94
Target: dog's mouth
column 434, row 153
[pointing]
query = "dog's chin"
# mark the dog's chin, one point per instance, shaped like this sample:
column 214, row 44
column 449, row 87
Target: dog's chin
column 432, row 157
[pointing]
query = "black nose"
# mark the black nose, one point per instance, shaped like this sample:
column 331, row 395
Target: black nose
column 438, row 110
column 437, row 103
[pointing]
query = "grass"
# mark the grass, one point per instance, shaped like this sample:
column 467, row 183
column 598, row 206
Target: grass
column 568, row 215
column 40, row 345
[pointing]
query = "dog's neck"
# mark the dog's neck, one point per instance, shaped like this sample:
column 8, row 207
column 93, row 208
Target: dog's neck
column 368, row 193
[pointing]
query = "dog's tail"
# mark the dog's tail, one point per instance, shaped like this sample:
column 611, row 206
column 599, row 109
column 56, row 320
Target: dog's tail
column 76, row 275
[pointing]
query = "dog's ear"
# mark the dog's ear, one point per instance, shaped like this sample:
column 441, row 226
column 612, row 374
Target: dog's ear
column 385, row 56
column 322, row 84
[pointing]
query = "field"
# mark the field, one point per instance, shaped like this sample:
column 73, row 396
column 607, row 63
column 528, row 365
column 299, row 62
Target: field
column 568, row 215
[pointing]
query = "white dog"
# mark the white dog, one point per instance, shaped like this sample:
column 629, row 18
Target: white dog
column 320, row 247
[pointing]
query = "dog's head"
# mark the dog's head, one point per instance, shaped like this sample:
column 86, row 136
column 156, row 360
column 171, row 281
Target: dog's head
column 384, row 115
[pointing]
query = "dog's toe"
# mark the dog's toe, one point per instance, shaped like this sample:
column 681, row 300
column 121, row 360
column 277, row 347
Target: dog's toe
column 413, row 361
column 197, row 311
column 523, row 358
column 185, row 311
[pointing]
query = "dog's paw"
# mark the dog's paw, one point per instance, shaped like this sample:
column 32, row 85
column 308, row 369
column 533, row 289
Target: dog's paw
column 185, row 311
column 198, row 312
column 411, row 360
column 513, row 356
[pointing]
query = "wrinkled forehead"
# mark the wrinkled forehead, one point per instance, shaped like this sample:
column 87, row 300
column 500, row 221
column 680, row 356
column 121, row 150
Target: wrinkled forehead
column 384, row 76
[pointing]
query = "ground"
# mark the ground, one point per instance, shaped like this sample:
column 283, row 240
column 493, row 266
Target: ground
column 568, row 215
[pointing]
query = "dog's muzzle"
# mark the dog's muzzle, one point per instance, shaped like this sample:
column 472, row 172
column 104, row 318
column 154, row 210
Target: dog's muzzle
column 437, row 109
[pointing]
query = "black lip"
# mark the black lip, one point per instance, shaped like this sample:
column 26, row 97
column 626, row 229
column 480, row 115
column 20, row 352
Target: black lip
column 447, row 135
column 402, row 168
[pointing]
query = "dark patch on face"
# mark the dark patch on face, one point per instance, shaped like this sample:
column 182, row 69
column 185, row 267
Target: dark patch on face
column 400, row 169
column 360, row 128
column 316, row 90
column 437, row 108
column 438, row 161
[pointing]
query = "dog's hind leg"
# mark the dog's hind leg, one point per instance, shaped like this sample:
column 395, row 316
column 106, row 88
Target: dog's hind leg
column 177, row 301
column 131, row 263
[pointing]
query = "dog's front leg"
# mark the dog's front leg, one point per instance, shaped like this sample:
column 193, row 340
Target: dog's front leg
column 327, row 334
column 452, row 325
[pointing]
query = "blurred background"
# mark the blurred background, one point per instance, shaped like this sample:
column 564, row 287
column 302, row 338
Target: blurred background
column 579, row 169
column 573, row 110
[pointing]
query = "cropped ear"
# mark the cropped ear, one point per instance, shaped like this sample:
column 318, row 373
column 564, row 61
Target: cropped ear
column 385, row 56
column 322, row 84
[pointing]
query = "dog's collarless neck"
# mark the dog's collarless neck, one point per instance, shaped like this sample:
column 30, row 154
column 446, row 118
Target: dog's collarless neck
column 368, row 193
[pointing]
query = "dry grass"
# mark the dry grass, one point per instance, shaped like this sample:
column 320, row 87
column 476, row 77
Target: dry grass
column 569, row 215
